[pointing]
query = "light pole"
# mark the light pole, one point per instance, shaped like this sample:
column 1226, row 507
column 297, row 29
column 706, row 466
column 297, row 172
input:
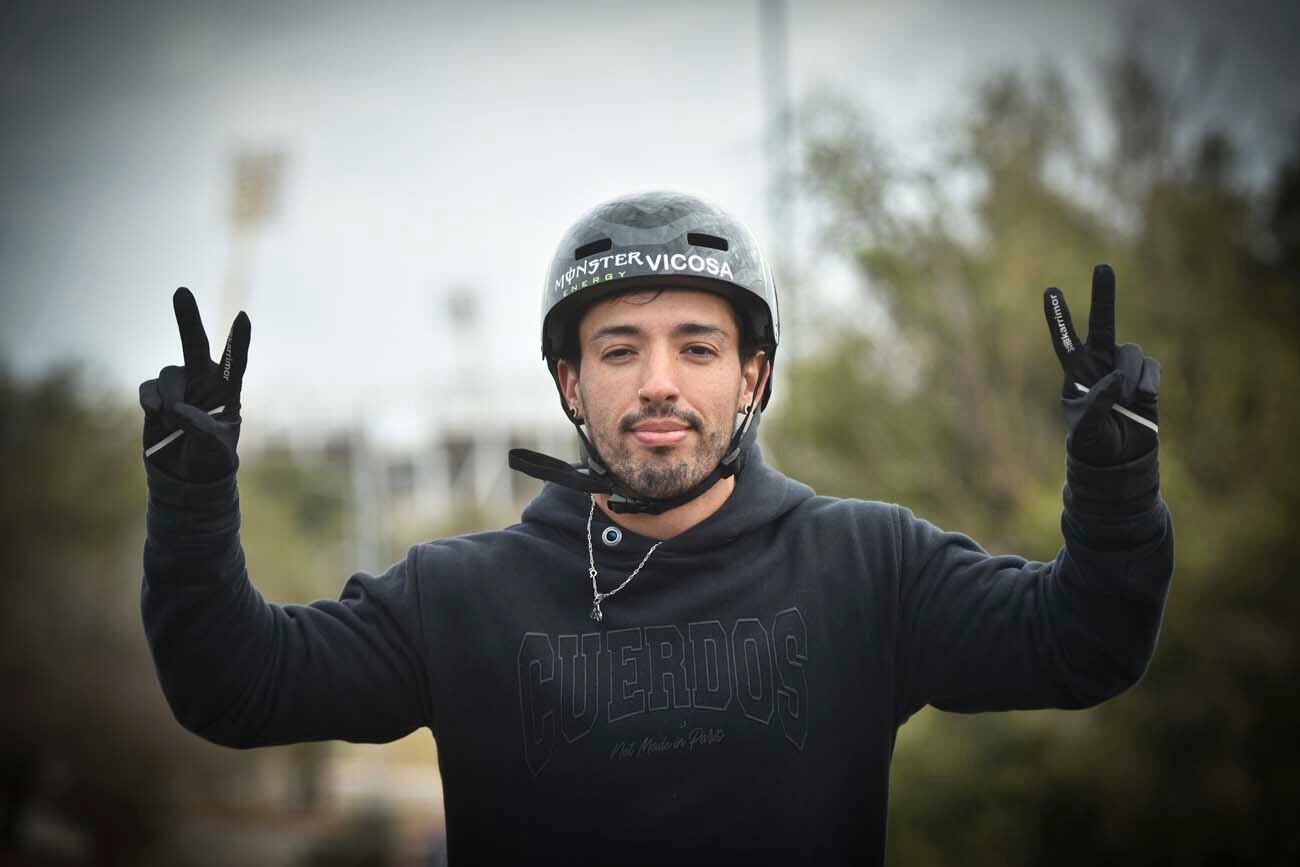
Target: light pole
column 256, row 198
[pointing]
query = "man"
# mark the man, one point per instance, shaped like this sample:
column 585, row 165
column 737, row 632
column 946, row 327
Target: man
column 679, row 655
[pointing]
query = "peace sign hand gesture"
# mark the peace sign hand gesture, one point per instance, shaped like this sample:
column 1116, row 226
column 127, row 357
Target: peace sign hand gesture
column 191, row 413
column 1109, row 397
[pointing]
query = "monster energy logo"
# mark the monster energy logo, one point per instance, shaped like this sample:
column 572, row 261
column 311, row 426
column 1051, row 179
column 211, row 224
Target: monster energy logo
column 599, row 269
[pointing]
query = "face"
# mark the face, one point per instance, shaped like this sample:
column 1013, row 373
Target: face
column 660, row 385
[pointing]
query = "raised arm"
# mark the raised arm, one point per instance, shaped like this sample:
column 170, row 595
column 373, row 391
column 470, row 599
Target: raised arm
column 978, row 632
column 236, row 669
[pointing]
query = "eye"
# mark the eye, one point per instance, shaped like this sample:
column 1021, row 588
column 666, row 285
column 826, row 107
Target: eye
column 615, row 354
column 699, row 350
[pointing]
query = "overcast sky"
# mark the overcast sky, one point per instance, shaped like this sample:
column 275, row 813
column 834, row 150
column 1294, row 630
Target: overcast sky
column 441, row 146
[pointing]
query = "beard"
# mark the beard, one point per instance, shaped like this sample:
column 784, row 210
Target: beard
column 669, row 470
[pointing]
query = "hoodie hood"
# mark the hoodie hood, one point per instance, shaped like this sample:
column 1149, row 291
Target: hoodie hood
column 761, row 496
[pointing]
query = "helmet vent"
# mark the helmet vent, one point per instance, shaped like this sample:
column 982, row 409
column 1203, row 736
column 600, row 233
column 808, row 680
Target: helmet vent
column 595, row 247
column 699, row 239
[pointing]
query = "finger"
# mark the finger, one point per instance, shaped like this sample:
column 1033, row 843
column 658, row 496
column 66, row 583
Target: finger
column 1102, row 396
column 150, row 400
column 1149, row 381
column 1101, row 316
column 194, row 340
column 171, row 385
column 1064, row 339
column 1089, row 416
column 1128, row 360
column 196, row 420
column 234, row 360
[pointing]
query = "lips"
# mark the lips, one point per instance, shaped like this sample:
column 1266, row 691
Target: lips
column 661, row 432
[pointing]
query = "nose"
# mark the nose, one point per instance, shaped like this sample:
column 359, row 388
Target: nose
column 659, row 385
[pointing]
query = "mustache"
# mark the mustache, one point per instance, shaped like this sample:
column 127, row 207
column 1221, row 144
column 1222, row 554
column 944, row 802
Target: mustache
column 631, row 420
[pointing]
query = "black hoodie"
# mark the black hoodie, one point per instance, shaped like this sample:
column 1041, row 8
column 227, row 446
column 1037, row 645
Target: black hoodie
column 737, row 704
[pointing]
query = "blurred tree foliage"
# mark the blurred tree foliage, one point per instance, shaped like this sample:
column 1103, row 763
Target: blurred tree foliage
column 92, row 764
column 951, row 409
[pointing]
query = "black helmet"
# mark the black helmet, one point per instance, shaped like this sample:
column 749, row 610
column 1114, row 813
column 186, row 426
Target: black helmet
column 658, row 240
column 646, row 241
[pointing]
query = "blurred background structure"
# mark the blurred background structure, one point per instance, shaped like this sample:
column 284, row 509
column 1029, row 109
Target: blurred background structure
column 380, row 186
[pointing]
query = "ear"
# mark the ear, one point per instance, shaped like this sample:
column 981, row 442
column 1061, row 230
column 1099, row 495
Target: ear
column 754, row 376
column 568, row 376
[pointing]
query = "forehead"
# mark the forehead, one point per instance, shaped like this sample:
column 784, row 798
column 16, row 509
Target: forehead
column 660, row 308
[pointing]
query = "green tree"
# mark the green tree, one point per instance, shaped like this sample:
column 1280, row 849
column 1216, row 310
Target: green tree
column 954, row 412
column 88, row 746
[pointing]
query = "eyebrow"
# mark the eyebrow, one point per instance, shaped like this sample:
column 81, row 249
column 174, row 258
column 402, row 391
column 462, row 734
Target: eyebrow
column 686, row 329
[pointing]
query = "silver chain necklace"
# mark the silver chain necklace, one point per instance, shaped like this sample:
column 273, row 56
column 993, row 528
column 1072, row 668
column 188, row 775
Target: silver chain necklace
column 596, row 596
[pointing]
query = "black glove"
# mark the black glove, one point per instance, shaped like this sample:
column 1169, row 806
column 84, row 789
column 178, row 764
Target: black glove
column 191, row 413
column 1112, row 419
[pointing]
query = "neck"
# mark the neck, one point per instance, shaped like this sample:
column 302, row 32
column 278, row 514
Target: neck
column 674, row 521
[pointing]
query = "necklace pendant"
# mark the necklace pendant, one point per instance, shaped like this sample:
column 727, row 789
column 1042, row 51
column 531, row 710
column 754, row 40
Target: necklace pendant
column 595, row 612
